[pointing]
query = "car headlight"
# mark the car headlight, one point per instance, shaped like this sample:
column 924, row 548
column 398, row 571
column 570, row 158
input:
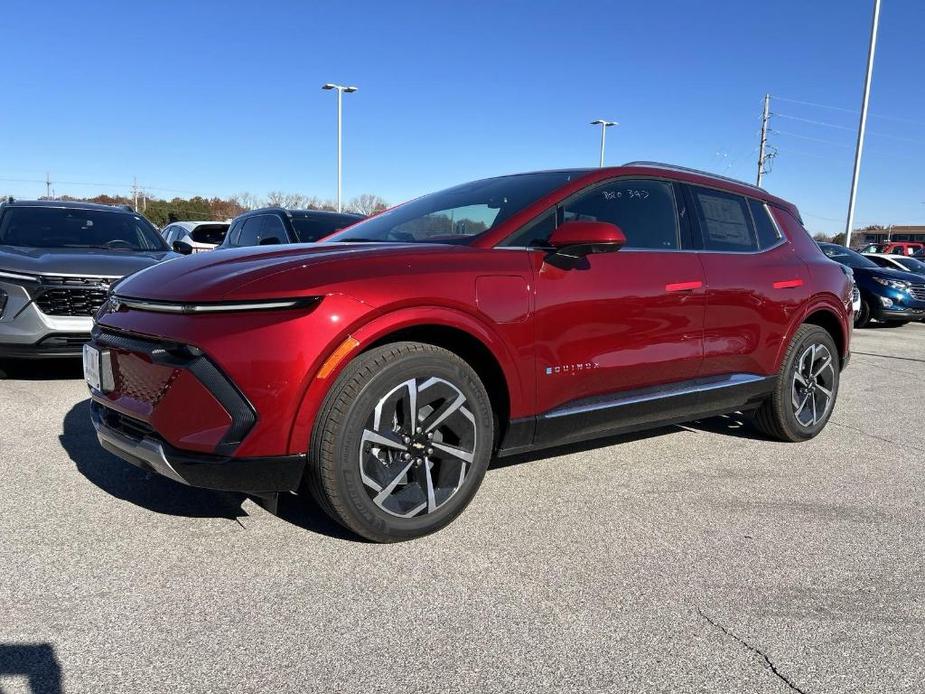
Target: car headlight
column 901, row 285
column 116, row 302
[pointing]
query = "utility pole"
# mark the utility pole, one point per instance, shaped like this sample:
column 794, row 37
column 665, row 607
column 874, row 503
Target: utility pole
column 604, row 125
column 135, row 193
column 862, row 123
column 764, row 137
column 341, row 90
column 47, row 185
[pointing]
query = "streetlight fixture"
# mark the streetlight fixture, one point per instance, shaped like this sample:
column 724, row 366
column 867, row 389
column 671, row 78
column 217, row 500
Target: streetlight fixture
column 341, row 89
column 604, row 125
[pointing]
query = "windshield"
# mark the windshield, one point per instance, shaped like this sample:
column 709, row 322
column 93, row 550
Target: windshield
column 57, row 227
column 458, row 214
column 846, row 256
column 912, row 264
column 310, row 229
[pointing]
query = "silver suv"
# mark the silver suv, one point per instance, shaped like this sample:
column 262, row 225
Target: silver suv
column 57, row 261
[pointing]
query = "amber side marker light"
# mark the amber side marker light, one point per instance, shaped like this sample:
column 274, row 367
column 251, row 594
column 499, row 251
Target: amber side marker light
column 337, row 356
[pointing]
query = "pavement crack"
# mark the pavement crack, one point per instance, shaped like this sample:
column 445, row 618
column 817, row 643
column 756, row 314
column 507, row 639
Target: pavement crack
column 888, row 356
column 754, row 649
column 874, row 436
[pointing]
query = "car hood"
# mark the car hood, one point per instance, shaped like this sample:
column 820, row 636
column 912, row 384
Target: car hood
column 91, row 262
column 245, row 273
column 887, row 273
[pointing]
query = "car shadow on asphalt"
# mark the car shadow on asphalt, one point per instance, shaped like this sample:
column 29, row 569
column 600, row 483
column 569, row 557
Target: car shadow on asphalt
column 41, row 369
column 162, row 495
column 730, row 425
column 34, row 661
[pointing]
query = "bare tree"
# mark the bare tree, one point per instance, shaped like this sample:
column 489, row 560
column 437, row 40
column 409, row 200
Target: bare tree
column 246, row 200
column 367, row 204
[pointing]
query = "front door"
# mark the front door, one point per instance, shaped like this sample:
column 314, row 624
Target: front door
column 618, row 323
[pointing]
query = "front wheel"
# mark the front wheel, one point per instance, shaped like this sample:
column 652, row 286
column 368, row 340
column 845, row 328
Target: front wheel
column 807, row 386
column 402, row 442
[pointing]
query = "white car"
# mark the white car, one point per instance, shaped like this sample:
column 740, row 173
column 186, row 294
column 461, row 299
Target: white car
column 200, row 236
column 898, row 262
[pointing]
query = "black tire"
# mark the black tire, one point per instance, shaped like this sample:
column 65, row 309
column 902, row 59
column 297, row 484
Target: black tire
column 340, row 446
column 862, row 319
column 777, row 417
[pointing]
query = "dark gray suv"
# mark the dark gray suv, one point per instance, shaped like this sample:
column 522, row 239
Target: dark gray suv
column 57, row 261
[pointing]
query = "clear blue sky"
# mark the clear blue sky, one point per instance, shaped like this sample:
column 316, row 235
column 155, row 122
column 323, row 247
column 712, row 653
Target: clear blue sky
column 223, row 97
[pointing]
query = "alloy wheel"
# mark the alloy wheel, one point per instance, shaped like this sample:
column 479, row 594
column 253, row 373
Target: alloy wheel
column 417, row 447
column 813, row 384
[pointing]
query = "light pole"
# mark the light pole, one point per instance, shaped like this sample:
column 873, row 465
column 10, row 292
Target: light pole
column 604, row 125
column 340, row 95
column 862, row 123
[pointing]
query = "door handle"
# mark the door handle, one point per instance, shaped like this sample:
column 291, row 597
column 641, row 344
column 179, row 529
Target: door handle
column 683, row 286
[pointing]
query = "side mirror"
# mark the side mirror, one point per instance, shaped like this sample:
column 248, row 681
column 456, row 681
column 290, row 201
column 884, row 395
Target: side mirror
column 578, row 239
column 182, row 247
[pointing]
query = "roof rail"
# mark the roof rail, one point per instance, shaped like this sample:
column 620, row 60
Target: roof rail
column 686, row 169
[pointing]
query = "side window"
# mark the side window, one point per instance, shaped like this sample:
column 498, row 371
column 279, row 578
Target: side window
column 233, row 233
column 644, row 210
column 724, row 221
column 168, row 234
column 272, row 228
column 535, row 233
column 899, row 250
column 768, row 235
column 250, row 232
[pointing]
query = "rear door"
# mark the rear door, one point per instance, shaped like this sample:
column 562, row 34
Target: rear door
column 755, row 282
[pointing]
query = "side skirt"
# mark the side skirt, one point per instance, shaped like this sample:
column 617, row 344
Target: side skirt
column 636, row 410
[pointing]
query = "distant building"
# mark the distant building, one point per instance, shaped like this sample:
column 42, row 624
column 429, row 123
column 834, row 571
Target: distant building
column 895, row 233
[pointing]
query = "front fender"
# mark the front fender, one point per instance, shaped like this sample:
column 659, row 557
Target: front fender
column 381, row 326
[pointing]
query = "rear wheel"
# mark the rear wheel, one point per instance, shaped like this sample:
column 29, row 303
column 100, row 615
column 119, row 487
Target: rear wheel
column 402, row 442
column 807, row 386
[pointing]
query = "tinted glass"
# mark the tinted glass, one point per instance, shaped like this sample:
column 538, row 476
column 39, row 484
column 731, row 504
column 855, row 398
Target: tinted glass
column 912, row 264
column 250, row 232
column 456, row 215
column 644, row 210
column 882, row 262
column 767, row 233
column 272, row 231
column 55, row 227
column 312, row 228
column 209, row 233
column 536, row 233
column 724, row 221
column 846, row 256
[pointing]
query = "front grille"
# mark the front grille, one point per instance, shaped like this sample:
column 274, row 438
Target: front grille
column 855, row 294
column 65, row 341
column 917, row 290
column 70, row 302
column 129, row 426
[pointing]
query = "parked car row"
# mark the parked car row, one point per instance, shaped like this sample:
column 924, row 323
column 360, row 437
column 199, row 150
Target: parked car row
column 892, row 290
column 896, row 248
column 262, row 227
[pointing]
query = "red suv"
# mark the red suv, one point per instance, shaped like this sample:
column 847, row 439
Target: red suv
column 382, row 369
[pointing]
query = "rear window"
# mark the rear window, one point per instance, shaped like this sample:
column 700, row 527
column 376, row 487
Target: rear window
column 725, row 221
column 57, row 227
column 768, row 234
column 209, row 233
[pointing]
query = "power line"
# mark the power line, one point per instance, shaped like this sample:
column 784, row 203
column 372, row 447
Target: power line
column 813, row 122
column 848, row 110
column 813, row 139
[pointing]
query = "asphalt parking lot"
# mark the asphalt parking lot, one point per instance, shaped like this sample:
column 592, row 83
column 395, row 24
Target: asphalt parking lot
column 698, row 558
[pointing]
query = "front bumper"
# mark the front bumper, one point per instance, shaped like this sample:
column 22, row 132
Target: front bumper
column 901, row 314
column 128, row 439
